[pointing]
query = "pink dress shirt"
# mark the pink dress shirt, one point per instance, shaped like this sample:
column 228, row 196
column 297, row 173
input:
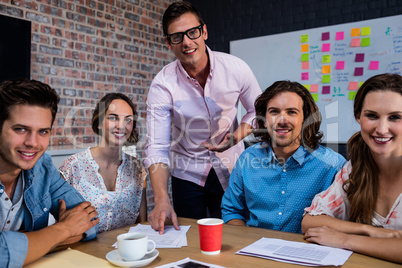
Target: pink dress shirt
column 177, row 104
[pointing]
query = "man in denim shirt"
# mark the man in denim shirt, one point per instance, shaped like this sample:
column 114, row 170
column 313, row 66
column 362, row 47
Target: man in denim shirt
column 30, row 185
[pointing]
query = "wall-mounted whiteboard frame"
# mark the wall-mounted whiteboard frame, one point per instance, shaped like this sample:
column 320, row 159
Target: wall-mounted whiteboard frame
column 278, row 57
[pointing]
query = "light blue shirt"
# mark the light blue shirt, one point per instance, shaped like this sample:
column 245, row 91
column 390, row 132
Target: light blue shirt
column 43, row 187
column 264, row 193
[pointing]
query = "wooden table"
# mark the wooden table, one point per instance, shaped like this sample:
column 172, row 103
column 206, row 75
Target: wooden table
column 233, row 239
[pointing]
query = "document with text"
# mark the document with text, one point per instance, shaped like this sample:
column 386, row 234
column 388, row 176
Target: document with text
column 296, row 252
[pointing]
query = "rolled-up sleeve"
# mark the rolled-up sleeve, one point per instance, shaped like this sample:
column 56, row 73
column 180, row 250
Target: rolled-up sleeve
column 13, row 249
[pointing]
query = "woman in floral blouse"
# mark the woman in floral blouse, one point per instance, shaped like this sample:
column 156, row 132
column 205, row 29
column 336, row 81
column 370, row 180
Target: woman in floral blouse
column 112, row 180
column 362, row 209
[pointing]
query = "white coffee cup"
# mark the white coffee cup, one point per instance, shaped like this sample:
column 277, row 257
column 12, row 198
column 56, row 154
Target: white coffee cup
column 134, row 246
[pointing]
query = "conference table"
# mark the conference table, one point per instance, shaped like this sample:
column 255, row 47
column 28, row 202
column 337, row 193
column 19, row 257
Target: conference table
column 234, row 238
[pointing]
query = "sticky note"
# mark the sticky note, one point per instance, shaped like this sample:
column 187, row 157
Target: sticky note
column 339, row 35
column 352, row 95
column 326, row 69
column 307, row 86
column 326, row 78
column 325, row 36
column 314, row 88
column 326, row 58
column 340, row 65
column 326, row 47
column 304, row 48
column 359, row 57
column 304, row 57
column 374, row 65
column 366, row 30
column 305, row 65
column 355, row 32
column 304, row 38
column 360, row 84
column 315, row 97
column 355, row 42
column 353, row 86
column 304, row 76
column 358, row 71
column 365, row 42
column 326, row 89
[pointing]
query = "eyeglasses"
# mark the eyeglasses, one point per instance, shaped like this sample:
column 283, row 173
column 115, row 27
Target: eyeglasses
column 177, row 38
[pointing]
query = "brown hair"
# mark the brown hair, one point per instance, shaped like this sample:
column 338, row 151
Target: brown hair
column 311, row 134
column 177, row 9
column 362, row 185
column 103, row 105
column 26, row 92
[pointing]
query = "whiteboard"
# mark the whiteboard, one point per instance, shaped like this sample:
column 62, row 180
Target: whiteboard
column 374, row 48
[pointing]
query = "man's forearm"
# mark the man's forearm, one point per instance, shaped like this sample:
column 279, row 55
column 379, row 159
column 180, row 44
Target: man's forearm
column 159, row 176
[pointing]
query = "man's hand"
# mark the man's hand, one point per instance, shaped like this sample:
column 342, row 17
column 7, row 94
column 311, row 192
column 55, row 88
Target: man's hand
column 227, row 142
column 159, row 214
column 77, row 220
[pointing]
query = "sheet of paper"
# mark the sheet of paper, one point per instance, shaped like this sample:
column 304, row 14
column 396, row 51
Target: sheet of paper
column 69, row 258
column 171, row 237
column 296, row 252
column 187, row 262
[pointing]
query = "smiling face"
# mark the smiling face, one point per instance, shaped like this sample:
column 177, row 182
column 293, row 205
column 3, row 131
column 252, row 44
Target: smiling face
column 381, row 123
column 24, row 137
column 191, row 53
column 118, row 123
column 284, row 121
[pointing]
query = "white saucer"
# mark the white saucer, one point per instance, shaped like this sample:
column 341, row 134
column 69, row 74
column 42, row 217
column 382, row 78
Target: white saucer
column 114, row 257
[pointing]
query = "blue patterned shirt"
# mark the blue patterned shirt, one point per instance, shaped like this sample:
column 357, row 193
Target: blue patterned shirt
column 264, row 193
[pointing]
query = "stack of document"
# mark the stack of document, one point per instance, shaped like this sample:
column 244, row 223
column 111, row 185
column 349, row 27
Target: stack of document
column 171, row 237
column 296, row 252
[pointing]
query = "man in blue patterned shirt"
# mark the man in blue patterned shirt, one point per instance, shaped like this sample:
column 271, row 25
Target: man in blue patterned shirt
column 274, row 180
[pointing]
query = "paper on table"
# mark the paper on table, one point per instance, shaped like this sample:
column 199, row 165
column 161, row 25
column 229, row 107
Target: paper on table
column 171, row 237
column 187, row 262
column 69, row 258
column 296, row 252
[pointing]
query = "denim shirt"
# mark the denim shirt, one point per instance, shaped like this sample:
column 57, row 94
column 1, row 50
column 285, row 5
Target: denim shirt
column 44, row 186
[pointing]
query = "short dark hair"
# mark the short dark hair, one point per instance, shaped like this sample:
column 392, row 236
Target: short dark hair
column 103, row 105
column 311, row 134
column 177, row 9
column 26, row 92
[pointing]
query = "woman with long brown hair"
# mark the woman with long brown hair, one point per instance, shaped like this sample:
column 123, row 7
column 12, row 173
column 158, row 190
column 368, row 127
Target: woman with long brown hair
column 362, row 209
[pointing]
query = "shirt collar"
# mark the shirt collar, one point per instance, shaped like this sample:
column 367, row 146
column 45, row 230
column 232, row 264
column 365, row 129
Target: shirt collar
column 299, row 156
column 211, row 64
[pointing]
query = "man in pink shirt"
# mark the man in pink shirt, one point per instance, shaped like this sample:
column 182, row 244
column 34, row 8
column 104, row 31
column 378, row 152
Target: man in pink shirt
column 194, row 100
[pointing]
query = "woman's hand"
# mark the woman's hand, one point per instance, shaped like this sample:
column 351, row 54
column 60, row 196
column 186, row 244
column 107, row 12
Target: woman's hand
column 326, row 236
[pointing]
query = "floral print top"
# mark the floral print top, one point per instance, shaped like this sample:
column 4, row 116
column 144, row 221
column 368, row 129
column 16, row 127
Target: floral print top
column 120, row 209
column 333, row 202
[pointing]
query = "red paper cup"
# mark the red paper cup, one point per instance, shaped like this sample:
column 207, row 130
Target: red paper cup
column 210, row 231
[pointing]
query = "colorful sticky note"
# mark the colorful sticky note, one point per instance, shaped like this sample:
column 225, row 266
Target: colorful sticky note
column 314, row 88
column 366, row 30
column 304, row 76
column 326, row 58
column 352, row 95
column 359, row 57
column 325, row 36
column 326, row 69
column 355, row 32
column 326, row 47
column 326, row 89
column 326, row 78
column 365, row 42
column 304, row 38
column 360, row 84
column 304, row 48
column 315, row 97
column 339, row 35
column 359, row 71
column 355, row 42
column 304, row 57
column 374, row 65
column 307, row 86
column 340, row 65
column 353, row 86
column 305, row 65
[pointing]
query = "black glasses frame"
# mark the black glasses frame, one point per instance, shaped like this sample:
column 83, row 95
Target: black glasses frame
column 185, row 33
